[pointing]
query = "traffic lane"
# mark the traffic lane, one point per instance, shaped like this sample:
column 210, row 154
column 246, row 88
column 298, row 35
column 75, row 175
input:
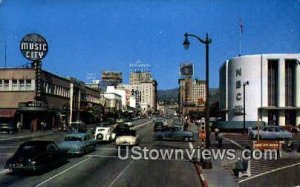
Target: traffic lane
column 159, row 173
column 9, row 179
column 101, row 150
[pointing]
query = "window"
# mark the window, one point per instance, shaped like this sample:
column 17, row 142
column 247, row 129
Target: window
column 28, row 84
column 22, row 84
column 6, row 84
column 272, row 82
column 14, row 84
column 1, row 84
column 290, row 68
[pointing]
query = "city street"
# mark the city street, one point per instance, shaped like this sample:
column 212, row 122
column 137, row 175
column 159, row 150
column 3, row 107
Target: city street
column 104, row 168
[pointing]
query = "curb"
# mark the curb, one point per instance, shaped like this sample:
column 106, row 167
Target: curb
column 201, row 175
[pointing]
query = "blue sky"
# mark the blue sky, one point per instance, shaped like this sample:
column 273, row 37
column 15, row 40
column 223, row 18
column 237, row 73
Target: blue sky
column 88, row 36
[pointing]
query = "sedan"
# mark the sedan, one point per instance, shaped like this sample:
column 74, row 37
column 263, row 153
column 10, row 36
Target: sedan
column 78, row 143
column 175, row 133
column 36, row 156
column 270, row 133
column 128, row 138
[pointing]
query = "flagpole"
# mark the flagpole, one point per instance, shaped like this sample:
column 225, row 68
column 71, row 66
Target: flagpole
column 5, row 53
column 241, row 31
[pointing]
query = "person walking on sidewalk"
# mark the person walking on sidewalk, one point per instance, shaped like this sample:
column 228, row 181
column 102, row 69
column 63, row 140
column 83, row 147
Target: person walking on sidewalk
column 19, row 126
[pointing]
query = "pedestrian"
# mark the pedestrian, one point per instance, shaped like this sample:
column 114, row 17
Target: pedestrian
column 219, row 137
column 19, row 126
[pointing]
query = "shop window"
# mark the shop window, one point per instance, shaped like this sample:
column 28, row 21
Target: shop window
column 1, row 84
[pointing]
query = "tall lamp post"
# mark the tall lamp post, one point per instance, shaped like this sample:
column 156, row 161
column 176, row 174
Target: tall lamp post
column 206, row 41
column 244, row 107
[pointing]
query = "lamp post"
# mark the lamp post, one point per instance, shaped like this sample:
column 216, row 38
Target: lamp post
column 244, row 107
column 206, row 41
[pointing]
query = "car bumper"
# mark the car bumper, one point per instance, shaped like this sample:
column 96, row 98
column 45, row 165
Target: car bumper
column 15, row 167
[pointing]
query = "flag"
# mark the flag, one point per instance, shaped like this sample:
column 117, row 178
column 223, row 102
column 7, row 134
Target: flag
column 241, row 26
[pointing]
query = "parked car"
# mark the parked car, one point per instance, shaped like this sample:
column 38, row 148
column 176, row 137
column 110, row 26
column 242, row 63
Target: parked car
column 129, row 123
column 36, row 156
column 270, row 133
column 128, row 138
column 104, row 133
column 78, row 127
column 78, row 143
column 291, row 128
column 8, row 125
column 175, row 133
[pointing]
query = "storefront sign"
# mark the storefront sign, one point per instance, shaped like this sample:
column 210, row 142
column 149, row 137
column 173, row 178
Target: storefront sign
column 34, row 47
column 238, row 109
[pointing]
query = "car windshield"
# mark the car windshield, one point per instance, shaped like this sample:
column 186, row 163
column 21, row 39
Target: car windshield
column 30, row 149
column 73, row 138
column 128, row 133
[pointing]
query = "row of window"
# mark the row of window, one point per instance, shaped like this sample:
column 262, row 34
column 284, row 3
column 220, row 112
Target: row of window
column 17, row 84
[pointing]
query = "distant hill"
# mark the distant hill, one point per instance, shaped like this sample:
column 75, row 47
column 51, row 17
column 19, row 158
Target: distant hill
column 168, row 96
column 171, row 95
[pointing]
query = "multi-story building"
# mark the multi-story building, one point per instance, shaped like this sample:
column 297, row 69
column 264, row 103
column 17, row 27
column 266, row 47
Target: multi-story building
column 19, row 99
column 199, row 92
column 138, row 77
column 122, row 93
column 273, row 93
column 146, row 93
column 191, row 95
column 110, row 78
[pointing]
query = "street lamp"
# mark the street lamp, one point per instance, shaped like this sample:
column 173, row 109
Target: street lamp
column 244, row 107
column 206, row 41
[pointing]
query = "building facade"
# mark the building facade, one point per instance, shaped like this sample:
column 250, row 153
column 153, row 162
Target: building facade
column 111, row 78
column 273, row 93
column 19, row 102
column 192, row 92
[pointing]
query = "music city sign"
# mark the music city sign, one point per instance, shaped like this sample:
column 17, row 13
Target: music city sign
column 34, row 47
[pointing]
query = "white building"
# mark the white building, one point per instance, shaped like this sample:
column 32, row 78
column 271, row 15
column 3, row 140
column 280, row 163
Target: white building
column 120, row 92
column 113, row 102
column 146, row 93
column 273, row 93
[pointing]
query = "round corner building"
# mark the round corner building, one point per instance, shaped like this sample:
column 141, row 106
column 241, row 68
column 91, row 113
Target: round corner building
column 272, row 93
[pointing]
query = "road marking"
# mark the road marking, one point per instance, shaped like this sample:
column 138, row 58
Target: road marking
column 120, row 174
column 103, row 156
column 271, row 171
column 235, row 143
column 64, row 171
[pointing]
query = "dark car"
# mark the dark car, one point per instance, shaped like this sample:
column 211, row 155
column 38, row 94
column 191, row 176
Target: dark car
column 8, row 125
column 36, row 156
column 120, row 128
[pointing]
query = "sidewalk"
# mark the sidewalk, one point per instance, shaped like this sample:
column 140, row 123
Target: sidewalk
column 26, row 134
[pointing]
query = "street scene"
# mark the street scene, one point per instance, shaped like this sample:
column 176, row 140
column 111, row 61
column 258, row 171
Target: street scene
column 149, row 93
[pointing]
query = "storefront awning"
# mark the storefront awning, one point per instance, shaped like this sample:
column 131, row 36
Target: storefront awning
column 7, row 113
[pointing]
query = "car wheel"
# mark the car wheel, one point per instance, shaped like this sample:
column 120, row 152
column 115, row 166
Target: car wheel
column 99, row 137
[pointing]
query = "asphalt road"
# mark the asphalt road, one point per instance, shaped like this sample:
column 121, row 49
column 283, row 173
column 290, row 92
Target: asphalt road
column 103, row 167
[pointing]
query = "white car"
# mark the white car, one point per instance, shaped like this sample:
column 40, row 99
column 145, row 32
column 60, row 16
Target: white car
column 128, row 138
column 104, row 134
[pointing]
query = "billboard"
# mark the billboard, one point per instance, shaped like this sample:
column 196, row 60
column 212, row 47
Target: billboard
column 186, row 69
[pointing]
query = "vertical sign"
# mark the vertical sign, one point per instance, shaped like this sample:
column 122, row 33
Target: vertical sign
column 34, row 47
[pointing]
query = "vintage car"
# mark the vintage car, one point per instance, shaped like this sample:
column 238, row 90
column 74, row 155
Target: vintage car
column 270, row 133
column 36, row 156
column 175, row 133
column 104, row 133
column 128, row 138
column 78, row 143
